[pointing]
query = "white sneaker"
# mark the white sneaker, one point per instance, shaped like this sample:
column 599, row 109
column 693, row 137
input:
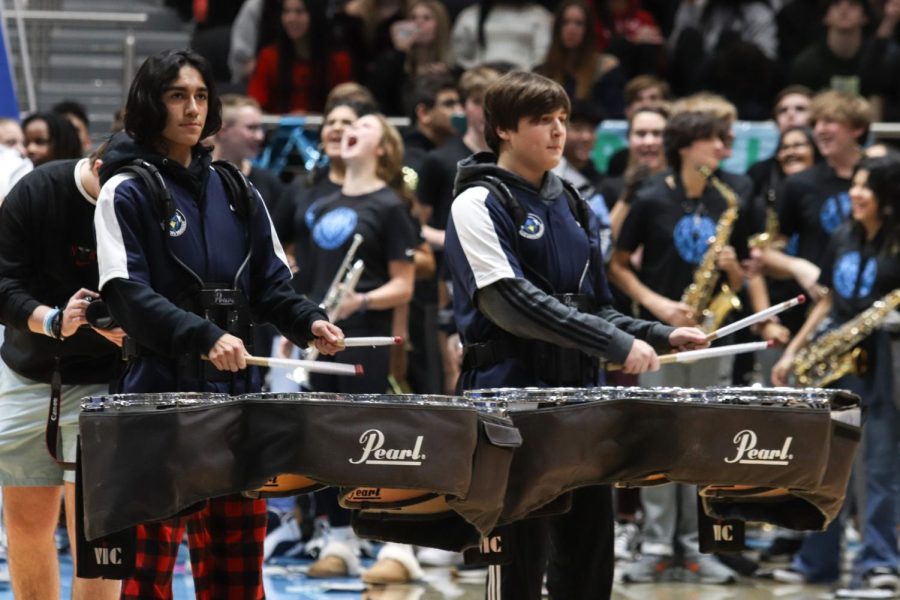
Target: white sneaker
column 625, row 540
column 284, row 539
column 435, row 557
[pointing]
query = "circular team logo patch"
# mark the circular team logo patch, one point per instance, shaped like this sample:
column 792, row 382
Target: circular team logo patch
column 532, row 228
column 846, row 271
column 177, row 224
column 691, row 237
column 335, row 227
column 835, row 210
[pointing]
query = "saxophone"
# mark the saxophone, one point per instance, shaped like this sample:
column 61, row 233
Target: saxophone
column 767, row 239
column 835, row 353
column 709, row 310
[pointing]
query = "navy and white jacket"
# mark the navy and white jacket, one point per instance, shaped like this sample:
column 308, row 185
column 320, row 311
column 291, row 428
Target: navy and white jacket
column 145, row 285
column 501, row 273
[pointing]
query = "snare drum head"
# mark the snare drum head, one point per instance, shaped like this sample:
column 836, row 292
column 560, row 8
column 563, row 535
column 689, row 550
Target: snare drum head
column 152, row 402
column 662, row 394
column 294, row 397
column 777, row 396
column 403, row 400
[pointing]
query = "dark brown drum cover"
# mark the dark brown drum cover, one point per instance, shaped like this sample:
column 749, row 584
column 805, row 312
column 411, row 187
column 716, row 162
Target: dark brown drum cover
column 689, row 437
column 795, row 508
column 147, row 465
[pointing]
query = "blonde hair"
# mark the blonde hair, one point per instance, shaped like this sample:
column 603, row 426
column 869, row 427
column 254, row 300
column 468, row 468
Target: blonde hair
column 706, row 102
column 475, row 81
column 843, row 107
column 389, row 166
column 232, row 103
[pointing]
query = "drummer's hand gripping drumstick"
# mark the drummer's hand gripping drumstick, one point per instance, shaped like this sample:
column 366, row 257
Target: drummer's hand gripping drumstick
column 693, row 355
column 313, row 366
column 372, row 341
column 755, row 318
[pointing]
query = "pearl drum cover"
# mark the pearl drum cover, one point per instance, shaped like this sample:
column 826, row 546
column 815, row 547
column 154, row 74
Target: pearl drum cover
column 783, row 446
column 147, row 458
column 443, row 471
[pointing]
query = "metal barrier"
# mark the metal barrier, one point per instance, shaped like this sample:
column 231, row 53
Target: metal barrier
column 47, row 15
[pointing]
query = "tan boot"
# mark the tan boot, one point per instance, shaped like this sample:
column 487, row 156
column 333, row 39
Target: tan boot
column 386, row 571
column 328, row 566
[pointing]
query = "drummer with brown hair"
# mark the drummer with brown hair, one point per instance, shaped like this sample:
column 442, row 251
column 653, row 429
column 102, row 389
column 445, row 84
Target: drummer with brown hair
column 533, row 309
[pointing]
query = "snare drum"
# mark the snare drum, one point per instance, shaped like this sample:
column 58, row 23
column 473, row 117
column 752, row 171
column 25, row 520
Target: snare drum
column 552, row 458
column 819, row 422
column 288, row 484
column 150, row 457
column 410, row 501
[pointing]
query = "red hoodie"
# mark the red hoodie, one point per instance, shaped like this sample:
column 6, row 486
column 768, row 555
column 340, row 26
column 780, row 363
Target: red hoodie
column 625, row 25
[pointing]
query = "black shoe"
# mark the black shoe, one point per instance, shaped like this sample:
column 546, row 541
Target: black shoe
column 781, row 548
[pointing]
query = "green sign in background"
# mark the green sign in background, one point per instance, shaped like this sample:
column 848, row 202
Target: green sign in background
column 753, row 141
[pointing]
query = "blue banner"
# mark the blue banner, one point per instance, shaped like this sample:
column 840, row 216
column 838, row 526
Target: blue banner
column 9, row 103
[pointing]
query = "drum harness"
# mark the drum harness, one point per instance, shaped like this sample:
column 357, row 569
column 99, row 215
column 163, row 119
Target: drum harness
column 552, row 364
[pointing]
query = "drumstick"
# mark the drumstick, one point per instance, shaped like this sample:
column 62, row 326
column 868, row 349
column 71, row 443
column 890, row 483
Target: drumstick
column 692, row 355
column 313, row 366
column 384, row 340
column 755, row 318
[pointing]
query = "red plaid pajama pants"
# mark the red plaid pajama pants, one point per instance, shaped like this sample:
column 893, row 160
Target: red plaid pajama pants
column 226, row 543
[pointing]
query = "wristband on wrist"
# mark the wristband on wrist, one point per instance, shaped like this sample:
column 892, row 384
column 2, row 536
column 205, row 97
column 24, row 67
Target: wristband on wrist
column 56, row 325
column 364, row 303
column 47, row 324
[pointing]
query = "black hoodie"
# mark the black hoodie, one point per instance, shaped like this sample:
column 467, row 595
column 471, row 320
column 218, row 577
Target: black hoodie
column 47, row 253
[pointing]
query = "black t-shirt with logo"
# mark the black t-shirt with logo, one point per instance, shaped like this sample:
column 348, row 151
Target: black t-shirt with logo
column 812, row 205
column 674, row 231
column 858, row 271
column 388, row 231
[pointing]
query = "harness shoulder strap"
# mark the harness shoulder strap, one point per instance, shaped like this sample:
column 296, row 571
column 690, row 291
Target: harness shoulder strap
column 503, row 194
column 577, row 205
column 237, row 186
column 163, row 203
column 501, row 191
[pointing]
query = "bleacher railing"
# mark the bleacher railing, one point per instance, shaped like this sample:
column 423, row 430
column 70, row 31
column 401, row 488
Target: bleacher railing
column 33, row 27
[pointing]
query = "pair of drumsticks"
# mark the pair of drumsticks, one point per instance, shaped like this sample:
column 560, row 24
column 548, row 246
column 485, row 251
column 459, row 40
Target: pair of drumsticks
column 314, row 366
column 667, row 359
column 693, row 355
